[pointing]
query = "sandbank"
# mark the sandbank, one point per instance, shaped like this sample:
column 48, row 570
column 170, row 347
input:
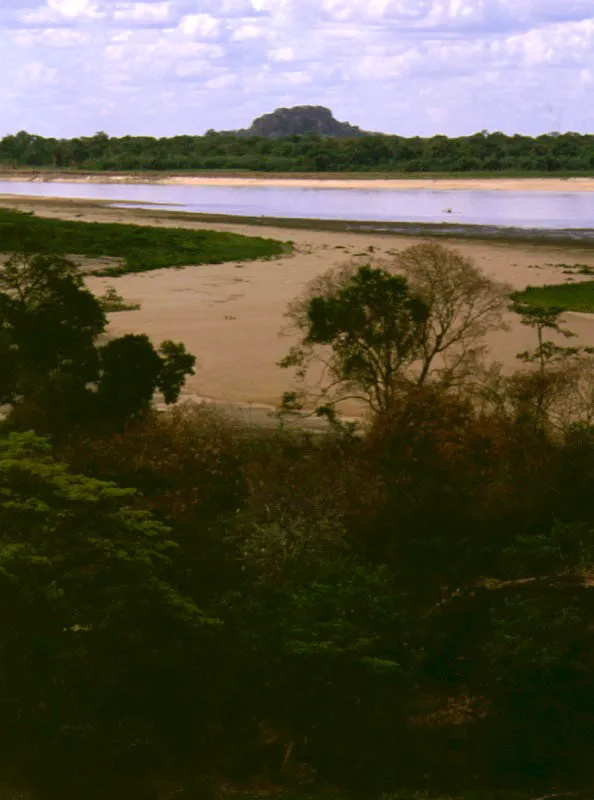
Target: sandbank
column 548, row 184
column 229, row 315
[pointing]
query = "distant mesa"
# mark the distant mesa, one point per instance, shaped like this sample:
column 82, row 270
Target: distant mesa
column 299, row 121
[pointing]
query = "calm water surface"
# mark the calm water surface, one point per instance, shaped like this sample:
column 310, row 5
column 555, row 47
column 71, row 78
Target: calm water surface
column 551, row 210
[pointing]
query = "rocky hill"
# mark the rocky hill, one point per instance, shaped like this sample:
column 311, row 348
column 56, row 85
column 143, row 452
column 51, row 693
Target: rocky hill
column 298, row 121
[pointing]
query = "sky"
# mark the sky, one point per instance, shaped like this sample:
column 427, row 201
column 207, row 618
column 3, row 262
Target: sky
column 410, row 67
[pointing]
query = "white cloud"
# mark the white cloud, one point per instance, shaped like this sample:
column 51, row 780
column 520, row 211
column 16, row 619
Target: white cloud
column 36, row 74
column 61, row 10
column 74, row 8
column 52, row 37
column 143, row 12
column 382, row 66
column 191, row 69
column 245, row 32
column 224, row 81
column 298, row 78
column 561, row 43
column 200, row 26
column 282, row 54
column 407, row 66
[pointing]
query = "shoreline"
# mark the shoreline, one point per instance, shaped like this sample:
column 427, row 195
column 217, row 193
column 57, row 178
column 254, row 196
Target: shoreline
column 566, row 237
column 523, row 184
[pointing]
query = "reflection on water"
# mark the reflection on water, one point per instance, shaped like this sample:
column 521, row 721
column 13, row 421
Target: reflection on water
column 510, row 209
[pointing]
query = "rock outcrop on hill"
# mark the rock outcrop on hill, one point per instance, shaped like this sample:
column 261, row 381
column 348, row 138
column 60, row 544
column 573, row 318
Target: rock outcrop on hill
column 298, row 121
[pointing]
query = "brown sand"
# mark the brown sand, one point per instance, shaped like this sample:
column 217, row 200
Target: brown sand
column 229, row 315
column 476, row 184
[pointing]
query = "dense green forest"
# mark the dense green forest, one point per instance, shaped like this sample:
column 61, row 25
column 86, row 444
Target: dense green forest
column 196, row 608
column 489, row 152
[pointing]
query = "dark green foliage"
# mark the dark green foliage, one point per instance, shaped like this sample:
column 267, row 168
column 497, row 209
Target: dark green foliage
column 345, row 657
column 543, row 319
column 79, row 531
column 375, row 307
column 373, row 326
column 492, row 153
column 87, row 615
column 536, row 390
column 53, row 374
column 112, row 302
column 385, row 622
column 130, row 370
column 176, row 365
column 49, row 323
column 421, row 319
column 567, row 297
column 140, row 248
column 189, row 602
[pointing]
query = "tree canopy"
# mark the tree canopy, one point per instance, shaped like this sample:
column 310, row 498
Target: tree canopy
column 53, row 374
column 378, row 329
column 192, row 605
column 86, row 603
column 481, row 152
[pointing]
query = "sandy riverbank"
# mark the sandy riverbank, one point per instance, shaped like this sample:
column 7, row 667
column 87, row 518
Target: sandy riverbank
column 304, row 182
column 449, row 184
column 230, row 315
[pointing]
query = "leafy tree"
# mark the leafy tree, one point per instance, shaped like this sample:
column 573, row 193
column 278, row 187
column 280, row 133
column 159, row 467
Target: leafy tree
column 48, row 325
column 294, row 515
column 424, row 318
column 111, row 302
column 54, row 376
column 130, row 370
column 574, row 410
column 541, row 320
column 481, row 152
column 187, row 464
column 90, row 626
column 537, row 390
column 366, row 326
column 176, row 365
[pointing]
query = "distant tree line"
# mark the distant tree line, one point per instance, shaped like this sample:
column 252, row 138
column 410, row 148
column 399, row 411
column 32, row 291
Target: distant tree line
column 484, row 151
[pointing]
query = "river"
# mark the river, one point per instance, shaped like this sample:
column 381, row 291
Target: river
column 541, row 210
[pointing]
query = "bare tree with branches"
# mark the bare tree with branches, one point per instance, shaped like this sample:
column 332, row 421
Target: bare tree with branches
column 374, row 330
column 464, row 306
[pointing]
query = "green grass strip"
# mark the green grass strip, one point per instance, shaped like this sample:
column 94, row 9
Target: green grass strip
column 142, row 248
column 568, row 296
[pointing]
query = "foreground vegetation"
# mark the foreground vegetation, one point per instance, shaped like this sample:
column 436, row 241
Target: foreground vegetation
column 562, row 153
column 329, row 794
column 141, row 248
column 338, row 795
column 191, row 605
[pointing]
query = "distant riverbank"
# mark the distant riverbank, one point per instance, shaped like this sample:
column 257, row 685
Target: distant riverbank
column 308, row 181
column 491, row 205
